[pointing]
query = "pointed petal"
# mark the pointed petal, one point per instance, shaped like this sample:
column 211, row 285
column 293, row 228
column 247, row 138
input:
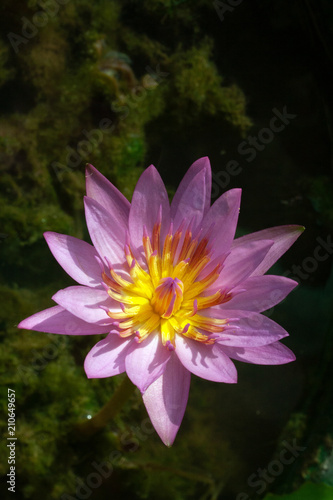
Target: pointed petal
column 166, row 400
column 272, row 354
column 149, row 195
column 191, row 193
column 85, row 302
column 249, row 330
column 283, row 237
column 107, row 357
column 192, row 203
column 107, row 232
column 224, row 215
column 106, row 194
column 76, row 257
column 259, row 293
column 205, row 361
column 146, row 362
column 58, row 320
column 241, row 263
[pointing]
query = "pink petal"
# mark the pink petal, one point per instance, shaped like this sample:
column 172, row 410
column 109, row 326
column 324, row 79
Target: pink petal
column 106, row 194
column 76, row 257
column 166, row 400
column 145, row 362
column 205, row 361
column 85, row 302
column 107, row 357
column 283, row 237
column 191, row 202
column 272, row 354
column 250, row 330
column 107, row 232
column 241, row 263
column 259, row 293
column 187, row 190
column 58, row 320
column 224, row 215
column 149, row 195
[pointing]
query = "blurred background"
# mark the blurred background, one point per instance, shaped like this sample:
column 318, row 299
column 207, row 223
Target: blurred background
column 121, row 85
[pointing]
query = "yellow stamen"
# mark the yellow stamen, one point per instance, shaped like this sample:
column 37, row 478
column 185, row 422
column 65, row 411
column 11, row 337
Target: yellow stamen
column 167, row 296
column 194, row 334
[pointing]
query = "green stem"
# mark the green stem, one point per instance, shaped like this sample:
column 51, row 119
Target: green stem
column 108, row 412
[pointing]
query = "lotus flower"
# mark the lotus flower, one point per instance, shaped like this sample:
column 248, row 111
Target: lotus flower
column 172, row 289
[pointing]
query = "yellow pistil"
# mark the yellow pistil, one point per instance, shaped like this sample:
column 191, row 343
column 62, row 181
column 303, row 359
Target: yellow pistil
column 164, row 296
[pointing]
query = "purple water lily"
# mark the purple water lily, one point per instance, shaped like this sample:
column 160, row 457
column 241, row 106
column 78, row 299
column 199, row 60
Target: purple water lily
column 171, row 288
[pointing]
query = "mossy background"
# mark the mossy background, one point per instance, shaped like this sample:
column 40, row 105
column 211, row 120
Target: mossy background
column 122, row 84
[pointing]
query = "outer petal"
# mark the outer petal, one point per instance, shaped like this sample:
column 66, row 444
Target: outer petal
column 186, row 190
column 107, row 232
column 249, row 330
column 166, row 399
column 106, row 194
column 205, row 361
column 272, row 354
column 224, row 215
column 58, row 320
column 259, row 293
column 76, row 257
column 193, row 200
column 283, row 237
column 146, row 362
column 107, row 357
column 241, row 263
column 149, row 195
column 85, row 303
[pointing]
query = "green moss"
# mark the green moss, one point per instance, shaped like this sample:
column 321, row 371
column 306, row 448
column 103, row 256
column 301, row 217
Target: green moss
column 200, row 91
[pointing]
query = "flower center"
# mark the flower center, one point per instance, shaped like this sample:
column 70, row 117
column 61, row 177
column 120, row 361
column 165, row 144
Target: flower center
column 166, row 295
